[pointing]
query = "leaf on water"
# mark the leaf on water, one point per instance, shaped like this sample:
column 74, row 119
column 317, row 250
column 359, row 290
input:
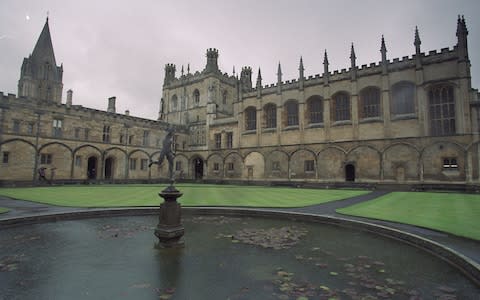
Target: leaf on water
column 381, row 271
column 325, row 288
column 302, row 298
column 333, row 273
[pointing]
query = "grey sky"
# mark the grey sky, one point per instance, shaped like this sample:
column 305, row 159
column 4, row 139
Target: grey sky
column 119, row 48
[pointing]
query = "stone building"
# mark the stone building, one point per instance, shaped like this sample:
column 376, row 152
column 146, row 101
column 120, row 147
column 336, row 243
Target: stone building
column 410, row 120
column 72, row 142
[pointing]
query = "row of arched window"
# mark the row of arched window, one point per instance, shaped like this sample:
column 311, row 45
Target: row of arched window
column 441, row 103
column 196, row 100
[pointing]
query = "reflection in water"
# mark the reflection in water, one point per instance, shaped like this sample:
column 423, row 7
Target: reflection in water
column 224, row 258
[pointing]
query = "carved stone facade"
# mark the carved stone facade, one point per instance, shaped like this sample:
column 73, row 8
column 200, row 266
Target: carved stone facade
column 409, row 120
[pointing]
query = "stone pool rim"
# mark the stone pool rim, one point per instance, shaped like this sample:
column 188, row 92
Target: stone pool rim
column 465, row 265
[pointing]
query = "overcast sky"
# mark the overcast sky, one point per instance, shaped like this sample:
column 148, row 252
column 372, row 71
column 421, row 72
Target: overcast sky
column 119, row 48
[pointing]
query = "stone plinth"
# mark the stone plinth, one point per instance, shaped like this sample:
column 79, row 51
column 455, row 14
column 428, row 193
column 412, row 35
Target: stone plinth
column 170, row 229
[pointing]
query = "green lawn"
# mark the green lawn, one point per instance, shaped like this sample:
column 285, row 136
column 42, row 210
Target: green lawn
column 3, row 210
column 455, row 213
column 193, row 195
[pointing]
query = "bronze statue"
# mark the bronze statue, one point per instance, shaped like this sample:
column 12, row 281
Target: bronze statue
column 167, row 151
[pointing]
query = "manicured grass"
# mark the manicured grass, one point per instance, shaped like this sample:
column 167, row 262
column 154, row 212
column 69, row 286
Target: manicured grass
column 455, row 213
column 3, row 210
column 193, row 195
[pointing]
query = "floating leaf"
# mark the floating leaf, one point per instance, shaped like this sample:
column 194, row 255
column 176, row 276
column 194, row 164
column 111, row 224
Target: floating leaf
column 381, row 271
column 333, row 273
column 325, row 288
column 302, row 298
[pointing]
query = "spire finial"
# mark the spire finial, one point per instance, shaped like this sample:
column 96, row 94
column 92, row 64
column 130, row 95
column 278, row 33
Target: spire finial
column 352, row 53
column 182, row 70
column 325, row 58
column 417, row 42
column 279, row 70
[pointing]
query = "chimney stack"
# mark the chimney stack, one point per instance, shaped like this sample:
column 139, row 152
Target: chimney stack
column 111, row 104
column 127, row 112
column 69, row 97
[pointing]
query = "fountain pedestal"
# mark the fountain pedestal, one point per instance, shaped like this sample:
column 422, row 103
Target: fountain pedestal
column 170, row 229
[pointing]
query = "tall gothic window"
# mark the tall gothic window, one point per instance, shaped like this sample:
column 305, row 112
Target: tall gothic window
column 442, row 110
column 196, row 97
column 403, row 98
column 341, row 107
column 224, row 97
column 291, row 108
column 270, row 115
column 174, row 103
column 370, row 103
column 315, row 110
column 250, row 118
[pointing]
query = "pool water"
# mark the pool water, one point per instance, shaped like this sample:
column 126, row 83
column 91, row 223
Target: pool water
column 223, row 258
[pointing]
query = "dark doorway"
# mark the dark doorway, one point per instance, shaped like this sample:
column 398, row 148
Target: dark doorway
column 350, row 172
column 109, row 168
column 197, row 168
column 92, row 167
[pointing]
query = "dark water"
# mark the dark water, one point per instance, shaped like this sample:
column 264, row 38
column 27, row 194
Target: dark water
column 114, row 258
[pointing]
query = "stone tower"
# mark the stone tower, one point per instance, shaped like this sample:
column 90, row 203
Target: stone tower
column 212, row 61
column 40, row 77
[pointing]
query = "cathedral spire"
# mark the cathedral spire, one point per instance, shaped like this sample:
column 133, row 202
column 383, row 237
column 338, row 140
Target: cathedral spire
column 259, row 84
column 301, row 69
column 279, row 79
column 43, row 51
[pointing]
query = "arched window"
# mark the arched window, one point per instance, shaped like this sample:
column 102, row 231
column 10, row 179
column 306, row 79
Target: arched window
column 270, row 111
column 403, row 98
column 341, row 107
column 224, row 97
column 315, row 110
column 369, row 103
column 196, row 97
column 441, row 104
column 291, row 107
column 250, row 118
column 174, row 103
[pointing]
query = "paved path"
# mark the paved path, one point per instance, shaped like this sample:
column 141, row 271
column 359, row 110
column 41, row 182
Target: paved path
column 469, row 248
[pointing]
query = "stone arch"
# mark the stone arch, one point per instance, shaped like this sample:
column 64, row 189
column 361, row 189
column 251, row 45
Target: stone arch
column 276, row 164
column 120, row 169
column 330, row 164
column 367, row 162
column 254, row 166
column 233, row 165
column 432, row 162
column 301, row 167
column 21, row 160
column 137, row 168
column 215, row 166
column 80, row 157
column 60, row 166
column 197, row 167
column 401, row 163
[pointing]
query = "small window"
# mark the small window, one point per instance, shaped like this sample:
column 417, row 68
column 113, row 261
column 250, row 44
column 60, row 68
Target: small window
column 309, row 166
column 341, row 103
column 78, row 161
column 121, row 139
column 224, row 97
column 251, row 118
column 178, row 165
column 174, row 103
column 106, row 134
column 130, row 139
column 403, row 98
column 276, row 166
column 45, row 159
column 370, row 103
column 77, row 133
column 216, row 166
column 16, row 126
column 86, row 133
column 230, row 166
column 133, row 163
column 30, row 128
column 229, row 140
column 57, row 128
column 5, row 157
column 218, row 140
column 270, row 116
column 196, row 97
column 143, row 164
column 146, row 138
column 315, row 110
column 450, row 163
column 292, row 113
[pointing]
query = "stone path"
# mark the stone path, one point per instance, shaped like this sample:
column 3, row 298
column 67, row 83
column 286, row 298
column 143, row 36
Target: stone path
column 469, row 248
